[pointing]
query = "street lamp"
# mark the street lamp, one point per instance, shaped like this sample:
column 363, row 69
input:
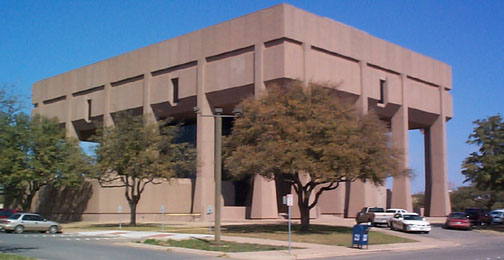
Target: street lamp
column 218, row 162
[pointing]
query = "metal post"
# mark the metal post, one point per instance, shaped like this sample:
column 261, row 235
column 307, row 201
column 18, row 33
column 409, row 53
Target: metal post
column 218, row 175
column 289, row 208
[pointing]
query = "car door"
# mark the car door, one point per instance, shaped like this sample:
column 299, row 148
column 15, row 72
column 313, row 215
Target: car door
column 27, row 222
column 39, row 223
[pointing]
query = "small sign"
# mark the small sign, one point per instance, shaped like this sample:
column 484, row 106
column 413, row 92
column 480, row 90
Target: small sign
column 210, row 210
column 290, row 200
column 119, row 209
column 162, row 209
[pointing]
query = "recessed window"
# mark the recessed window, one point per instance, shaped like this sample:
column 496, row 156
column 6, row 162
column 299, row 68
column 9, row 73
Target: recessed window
column 382, row 91
column 175, row 90
column 89, row 109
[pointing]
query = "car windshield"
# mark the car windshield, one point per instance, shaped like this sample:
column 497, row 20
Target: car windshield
column 376, row 210
column 15, row 216
column 458, row 216
column 497, row 213
column 412, row 217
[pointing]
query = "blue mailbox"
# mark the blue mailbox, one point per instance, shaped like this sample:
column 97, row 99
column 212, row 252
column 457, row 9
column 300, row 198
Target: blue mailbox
column 360, row 235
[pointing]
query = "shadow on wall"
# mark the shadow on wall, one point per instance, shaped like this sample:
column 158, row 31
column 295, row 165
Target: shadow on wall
column 64, row 204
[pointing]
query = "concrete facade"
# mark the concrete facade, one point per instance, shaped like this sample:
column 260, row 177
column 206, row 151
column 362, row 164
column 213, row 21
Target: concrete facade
column 221, row 65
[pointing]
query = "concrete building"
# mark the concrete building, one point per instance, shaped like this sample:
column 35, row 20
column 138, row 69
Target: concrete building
column 220, row 65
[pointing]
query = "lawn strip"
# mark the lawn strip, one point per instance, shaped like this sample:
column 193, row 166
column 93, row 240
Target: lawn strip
column 14, row 257
column 208, row 245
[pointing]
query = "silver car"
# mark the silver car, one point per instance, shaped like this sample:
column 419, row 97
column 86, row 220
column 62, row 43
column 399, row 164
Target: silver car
column 21, row 222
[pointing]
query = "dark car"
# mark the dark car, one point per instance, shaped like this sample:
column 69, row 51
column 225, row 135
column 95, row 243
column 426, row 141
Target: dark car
column 5, row 213
column 458, row 220
column 478, row 216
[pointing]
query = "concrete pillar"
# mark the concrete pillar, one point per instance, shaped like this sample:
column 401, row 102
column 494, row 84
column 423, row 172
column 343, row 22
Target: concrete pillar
column 437, row 197
column 332, row 201
column 205, row 183
column 147, row 109
column 307, row 65
column 70, row 129
column 401, row 188
column 107, row 117
column 264, row 202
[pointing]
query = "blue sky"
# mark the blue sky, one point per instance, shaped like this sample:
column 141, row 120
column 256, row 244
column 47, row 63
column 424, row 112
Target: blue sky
column 40, row 39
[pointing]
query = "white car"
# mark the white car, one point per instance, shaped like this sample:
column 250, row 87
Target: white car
column 410, row 222
column 497, row 216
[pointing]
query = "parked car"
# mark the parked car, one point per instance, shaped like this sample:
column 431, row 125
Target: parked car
column 458, row 220
column 394, row 211
column 5, row 213
column 374, row 215
column 478, row 217
column 497, row 216
column 21, row 222
column 410, row 222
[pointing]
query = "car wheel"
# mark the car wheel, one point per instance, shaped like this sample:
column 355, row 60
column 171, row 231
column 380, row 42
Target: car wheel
column 391, row 226
column 19, row 229
column 426, row 232
column 404, row 228
column 53, row 229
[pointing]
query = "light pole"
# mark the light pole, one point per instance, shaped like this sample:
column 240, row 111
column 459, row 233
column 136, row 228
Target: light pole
column 218, row 163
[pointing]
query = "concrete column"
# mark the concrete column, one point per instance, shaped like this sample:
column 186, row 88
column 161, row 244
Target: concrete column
column 264, row 202
column 401, row 188
column 147, row 109
column 70, row 129
column 436, row 180
column 307, row 65
column 205, row 141
column 107, row 117
column 357, row 191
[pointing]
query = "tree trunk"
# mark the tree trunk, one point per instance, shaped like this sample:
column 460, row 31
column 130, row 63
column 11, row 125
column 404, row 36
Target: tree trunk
column 133, row 205
column 305, row 217
column 26, row 204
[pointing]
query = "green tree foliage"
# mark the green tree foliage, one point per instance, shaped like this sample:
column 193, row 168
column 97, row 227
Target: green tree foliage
column 485, row 168
column 34, row 153
column 311, row 138
column 135, row 153
column 471, row 197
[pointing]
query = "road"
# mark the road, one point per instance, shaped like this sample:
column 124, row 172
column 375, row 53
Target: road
column 474, row 245
column 78, row 247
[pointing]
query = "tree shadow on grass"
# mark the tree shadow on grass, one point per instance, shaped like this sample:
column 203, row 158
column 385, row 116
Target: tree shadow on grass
column 282, row 228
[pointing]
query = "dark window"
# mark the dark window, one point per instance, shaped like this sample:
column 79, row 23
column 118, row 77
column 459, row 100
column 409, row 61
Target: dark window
column 37, row 218
column 175, row 90
column 27, row 217
column 382, row 91
column 89, row 109
column 15, row 216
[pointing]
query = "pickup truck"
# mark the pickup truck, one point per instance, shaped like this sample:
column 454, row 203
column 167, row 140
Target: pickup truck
column 374, row 215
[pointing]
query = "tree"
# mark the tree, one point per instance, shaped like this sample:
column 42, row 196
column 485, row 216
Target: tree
column 311, row 138
column 135, row 153
column 35, row 153
column 485, row 168
column 470, row 197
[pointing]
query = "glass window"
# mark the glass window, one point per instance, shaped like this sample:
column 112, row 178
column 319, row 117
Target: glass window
column 15, row 216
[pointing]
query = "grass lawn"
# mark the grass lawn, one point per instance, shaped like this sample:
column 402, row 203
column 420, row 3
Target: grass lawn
column 13, row 257
column 318, row 234
column 224, row 246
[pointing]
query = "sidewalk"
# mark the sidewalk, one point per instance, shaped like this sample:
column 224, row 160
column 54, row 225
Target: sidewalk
column 308, row 251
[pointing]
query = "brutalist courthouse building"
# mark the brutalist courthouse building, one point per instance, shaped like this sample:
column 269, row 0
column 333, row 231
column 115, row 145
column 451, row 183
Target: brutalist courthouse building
column 219, row 66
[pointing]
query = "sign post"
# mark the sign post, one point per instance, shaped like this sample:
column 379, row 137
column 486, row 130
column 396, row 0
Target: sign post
column 162, row 217
column 209, row 212
column 289, row 201
column 119, row 210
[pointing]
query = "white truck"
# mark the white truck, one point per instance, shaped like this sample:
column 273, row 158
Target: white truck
column 375, row 215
